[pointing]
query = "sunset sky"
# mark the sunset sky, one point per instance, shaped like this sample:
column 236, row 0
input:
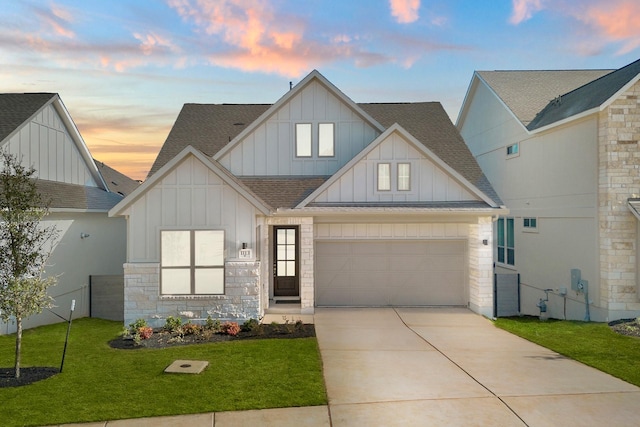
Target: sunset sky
column 124, row 68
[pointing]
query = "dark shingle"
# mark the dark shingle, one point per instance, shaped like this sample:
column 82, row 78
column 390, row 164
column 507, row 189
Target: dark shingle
column 206, row 127
column 61, row 195
column 586, row 97
column 16, row 108
column 283, row 192
column 116, row 182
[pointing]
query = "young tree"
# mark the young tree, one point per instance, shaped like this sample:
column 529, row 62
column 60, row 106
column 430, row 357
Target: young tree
column 25, row 246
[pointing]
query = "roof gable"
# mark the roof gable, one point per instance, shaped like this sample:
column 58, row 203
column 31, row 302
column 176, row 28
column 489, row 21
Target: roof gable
column 526, row 92
column 212, row 165
column 18, row 108
column 433, row 180
column 314, row 76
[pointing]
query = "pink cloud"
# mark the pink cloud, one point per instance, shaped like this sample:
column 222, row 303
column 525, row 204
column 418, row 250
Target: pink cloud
column 617, row 21
column 58, row 19
column 405, row 11
column 524, row 10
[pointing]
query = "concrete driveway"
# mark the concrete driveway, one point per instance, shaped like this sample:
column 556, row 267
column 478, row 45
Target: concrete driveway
column 444, row 366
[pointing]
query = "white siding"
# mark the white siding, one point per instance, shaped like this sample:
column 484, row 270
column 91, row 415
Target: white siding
column 45, row 144
column 189, row 196
column 270, row 148
column 429, row 182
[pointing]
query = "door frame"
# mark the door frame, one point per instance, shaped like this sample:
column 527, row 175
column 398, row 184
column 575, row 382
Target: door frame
column 274, row 250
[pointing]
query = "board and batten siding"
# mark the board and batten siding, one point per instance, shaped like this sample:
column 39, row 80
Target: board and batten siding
column 45, row 144
column 270, row 148
column 190, row 196
column 428, row 181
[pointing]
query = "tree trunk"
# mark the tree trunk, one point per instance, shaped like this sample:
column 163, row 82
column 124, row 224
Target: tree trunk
column 18, row 345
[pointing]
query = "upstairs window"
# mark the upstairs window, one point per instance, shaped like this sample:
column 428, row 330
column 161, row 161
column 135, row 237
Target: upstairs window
column 384, row 177
column 404, row 176
column 326, row 145
column 192, row 262
column 530, row 224
column 513, row 150
column 303, row 139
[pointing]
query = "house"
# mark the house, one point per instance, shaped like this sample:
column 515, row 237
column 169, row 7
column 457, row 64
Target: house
column 561, row 149
column 312, row 201
column 38, row 129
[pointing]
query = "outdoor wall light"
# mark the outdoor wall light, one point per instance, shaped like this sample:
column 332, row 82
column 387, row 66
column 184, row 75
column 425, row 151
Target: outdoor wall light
column 485, row 242
column 84, row 235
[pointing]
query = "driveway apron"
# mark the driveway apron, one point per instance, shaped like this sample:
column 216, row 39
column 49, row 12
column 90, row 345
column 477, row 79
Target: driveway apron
column 449, row 366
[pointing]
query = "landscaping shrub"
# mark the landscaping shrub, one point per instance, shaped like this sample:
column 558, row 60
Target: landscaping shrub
column 172, row 324
column 230, row 328
column 250, row 325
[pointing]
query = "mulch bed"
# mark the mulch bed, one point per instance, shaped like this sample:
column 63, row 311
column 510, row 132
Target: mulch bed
column 629, row 327
column 27, row 376
column 165, row 339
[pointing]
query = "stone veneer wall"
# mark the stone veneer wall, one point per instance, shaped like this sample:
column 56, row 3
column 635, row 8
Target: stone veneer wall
column 481, row 267
column 619, row 179
column 307, row 297
column 240, row 302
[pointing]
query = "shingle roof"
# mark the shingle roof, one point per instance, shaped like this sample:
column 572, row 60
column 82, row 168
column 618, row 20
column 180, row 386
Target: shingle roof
column 16, row 108
column 61, row 195
column 210, row 127
column 283, row 192
column 206, row 127
column 525, row 93
column 116, row 182
column 429, row 123
column 586, row 97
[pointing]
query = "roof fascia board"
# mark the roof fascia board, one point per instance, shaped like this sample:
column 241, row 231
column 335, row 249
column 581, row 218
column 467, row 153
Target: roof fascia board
column 61, row 109
column 315, row 74
column 464, row 109
column 318, row 212
column 419, row 146
column 215, row 167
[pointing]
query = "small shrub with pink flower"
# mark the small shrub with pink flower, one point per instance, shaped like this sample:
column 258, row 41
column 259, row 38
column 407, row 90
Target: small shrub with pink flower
column 230, row 328
column 145, row 332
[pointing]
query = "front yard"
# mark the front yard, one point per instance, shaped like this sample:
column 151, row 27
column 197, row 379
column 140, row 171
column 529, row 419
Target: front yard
column 102, row 383
column 593, row 344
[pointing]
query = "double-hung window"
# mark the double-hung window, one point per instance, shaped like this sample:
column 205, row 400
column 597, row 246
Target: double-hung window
column 192, row 262
column 404, row 176
column 384, row 176
column 506, row 241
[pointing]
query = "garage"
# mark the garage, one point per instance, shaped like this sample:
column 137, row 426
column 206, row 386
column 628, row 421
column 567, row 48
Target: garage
column 391, row 273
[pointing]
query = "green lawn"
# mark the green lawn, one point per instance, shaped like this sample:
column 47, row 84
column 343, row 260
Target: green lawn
column 593, row 344
column 101, row 383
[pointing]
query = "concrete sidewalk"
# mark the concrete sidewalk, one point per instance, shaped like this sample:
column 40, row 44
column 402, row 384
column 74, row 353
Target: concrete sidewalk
column 433, row 367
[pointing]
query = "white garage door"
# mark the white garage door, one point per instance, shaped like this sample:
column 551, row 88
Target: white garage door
column 382, row 273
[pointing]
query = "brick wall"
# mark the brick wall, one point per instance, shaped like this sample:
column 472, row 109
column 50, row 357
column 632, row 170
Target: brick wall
column 619, row 179
column 240, row 302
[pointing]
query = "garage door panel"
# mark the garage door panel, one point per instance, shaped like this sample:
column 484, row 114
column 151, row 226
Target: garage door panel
column 365, row 273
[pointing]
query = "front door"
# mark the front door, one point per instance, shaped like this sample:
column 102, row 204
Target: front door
column 286, row 267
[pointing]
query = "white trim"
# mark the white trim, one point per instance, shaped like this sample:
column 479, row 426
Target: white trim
column 213, row 165
column 419, row 146
column 314, row 75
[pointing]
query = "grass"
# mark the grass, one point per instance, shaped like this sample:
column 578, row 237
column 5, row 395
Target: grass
column 593, row 344
column 100, row 383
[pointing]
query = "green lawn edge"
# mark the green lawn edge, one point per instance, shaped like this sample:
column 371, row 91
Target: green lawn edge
column 591, row 343
column 100, row 383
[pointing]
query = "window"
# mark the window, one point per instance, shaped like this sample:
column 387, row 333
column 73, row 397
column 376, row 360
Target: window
column 303, row 139
column 325, row 140
column 192, row 262
column 530, row 224
column 506, row 243
column 512, row 150
column 384, row 177
column 404, row 176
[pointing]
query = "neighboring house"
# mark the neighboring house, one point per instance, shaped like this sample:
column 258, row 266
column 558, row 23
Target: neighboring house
column 561, row 149
column 38, row 129
column 116, row 182
column 313, row 201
